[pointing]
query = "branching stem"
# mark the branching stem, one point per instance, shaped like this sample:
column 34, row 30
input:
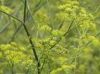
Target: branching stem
column 29, row 37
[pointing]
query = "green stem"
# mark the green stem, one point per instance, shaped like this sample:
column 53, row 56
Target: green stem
column 29, row 37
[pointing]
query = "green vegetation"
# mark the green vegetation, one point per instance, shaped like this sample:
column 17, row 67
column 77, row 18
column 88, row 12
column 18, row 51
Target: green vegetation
column 49, row 37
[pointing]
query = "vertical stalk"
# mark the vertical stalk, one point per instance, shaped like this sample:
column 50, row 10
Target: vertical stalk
column 29, row 37
column 12, row 71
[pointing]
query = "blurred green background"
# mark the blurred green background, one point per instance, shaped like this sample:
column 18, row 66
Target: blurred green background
column 65, row 35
